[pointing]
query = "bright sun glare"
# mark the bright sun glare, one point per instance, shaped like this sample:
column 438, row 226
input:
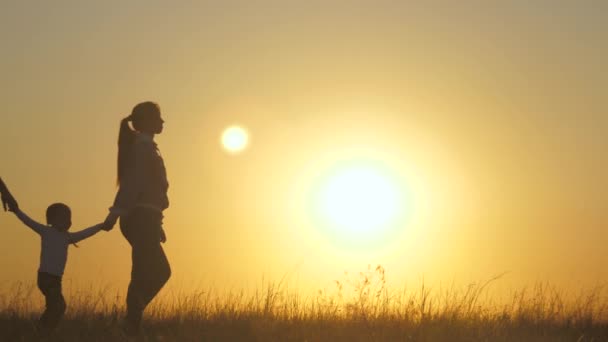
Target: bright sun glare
column 359, row 200
column 359, row 205
column 235, row 139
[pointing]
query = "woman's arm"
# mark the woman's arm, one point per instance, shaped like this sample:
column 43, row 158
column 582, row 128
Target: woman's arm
column 85, row 233
column 134, row 179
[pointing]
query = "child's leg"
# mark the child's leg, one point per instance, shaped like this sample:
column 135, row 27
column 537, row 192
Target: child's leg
column 55, row 306
column 43, row 286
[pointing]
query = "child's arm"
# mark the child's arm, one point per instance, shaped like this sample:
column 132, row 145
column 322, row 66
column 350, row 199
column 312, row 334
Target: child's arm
column 9, row 201
column 85, row 233
column 35, row 226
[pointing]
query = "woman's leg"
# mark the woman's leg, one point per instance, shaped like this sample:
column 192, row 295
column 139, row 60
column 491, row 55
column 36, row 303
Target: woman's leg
column 130, row 226
column 159, row 272
column 150, row 270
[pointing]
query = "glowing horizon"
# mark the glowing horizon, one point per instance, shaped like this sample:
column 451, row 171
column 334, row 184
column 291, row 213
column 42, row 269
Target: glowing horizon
column 479, row 130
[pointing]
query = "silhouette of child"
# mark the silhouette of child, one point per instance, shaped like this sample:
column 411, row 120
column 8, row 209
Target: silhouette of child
column 55, row 240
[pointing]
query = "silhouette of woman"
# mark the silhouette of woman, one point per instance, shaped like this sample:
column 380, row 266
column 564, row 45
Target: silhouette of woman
column 140, row 201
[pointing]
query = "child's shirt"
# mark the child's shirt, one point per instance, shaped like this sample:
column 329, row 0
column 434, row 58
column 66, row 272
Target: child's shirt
column 54, row 243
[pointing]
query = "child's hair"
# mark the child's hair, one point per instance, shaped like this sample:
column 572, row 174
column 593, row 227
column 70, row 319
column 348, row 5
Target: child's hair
column 57, row 210
column 126, row 135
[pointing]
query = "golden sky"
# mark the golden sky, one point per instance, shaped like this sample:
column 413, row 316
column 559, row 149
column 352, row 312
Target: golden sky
column 490, row 118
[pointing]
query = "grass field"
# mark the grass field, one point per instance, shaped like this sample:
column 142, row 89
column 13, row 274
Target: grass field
column 363, row 310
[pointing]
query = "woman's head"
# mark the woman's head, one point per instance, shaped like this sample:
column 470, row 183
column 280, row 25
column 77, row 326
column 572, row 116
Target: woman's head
column 145, row 118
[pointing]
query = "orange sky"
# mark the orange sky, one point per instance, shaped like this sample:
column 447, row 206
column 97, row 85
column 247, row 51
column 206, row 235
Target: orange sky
column 493, row 117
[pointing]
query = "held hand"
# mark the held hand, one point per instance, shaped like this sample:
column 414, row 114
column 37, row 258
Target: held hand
column 4, row 203
column 9, row 203
column 110, row 221
column 13, row 206
column 163, row 236
column 106, row 226
column 3, row 195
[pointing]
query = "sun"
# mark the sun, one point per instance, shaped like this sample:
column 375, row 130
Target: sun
column 235, row 139
column 359, row 200
column 359, row 206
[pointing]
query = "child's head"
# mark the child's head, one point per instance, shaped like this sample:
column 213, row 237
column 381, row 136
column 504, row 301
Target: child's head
column 59, row 216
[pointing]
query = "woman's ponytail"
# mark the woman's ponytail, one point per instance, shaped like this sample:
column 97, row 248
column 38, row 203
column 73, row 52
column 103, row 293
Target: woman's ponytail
column 126, row 137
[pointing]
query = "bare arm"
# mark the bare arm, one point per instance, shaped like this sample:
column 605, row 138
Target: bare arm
column 85, row 233
column 35, row 226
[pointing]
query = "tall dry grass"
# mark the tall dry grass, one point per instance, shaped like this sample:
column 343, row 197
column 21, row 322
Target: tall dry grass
column 362, row 309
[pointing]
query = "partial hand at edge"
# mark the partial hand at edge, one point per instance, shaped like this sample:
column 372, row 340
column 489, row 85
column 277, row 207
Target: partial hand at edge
column 8, row 201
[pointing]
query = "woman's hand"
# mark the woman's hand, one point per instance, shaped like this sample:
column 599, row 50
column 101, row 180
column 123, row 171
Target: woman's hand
column 110, row 221
column 163, row 236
